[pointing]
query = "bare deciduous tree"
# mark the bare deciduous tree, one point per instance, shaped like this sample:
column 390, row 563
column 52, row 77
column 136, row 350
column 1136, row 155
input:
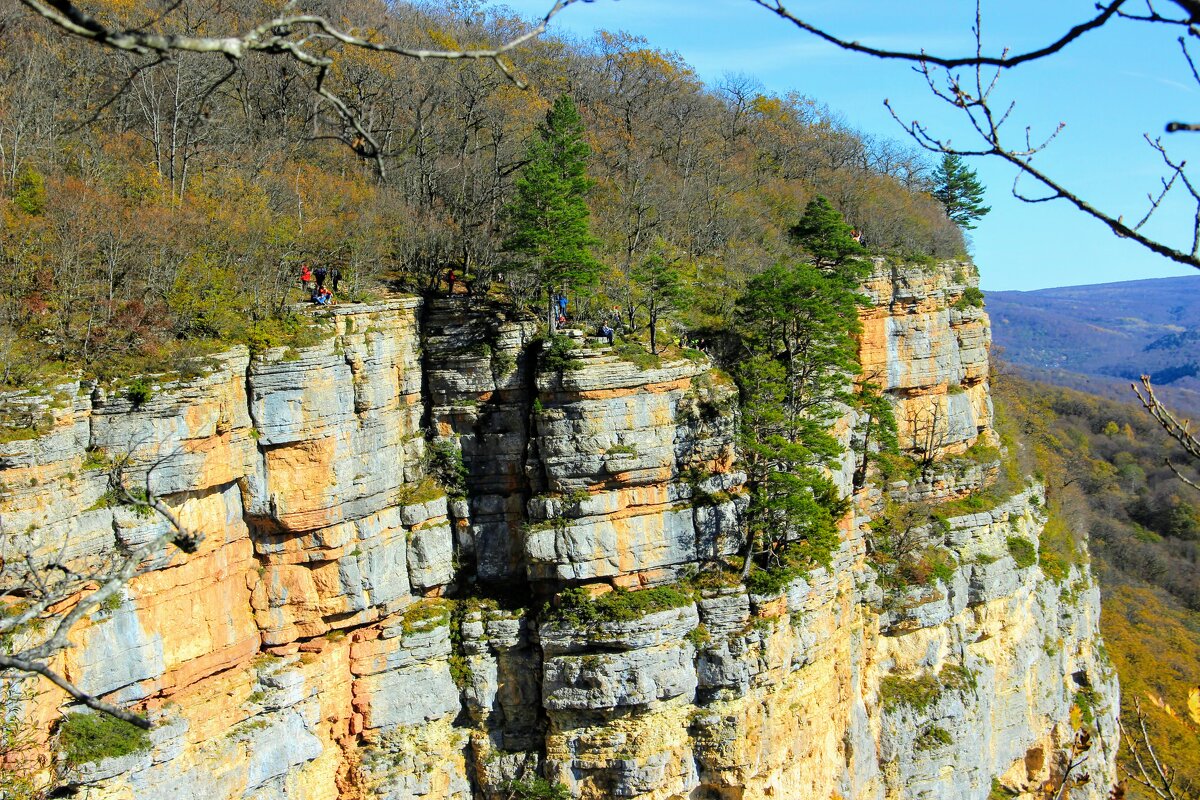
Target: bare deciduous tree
column 308, row 40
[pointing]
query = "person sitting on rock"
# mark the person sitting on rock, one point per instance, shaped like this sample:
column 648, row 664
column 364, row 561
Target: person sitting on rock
column 324, row 297
column 607, row 332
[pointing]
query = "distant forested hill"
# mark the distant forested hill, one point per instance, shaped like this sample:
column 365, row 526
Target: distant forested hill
column 1099, row 338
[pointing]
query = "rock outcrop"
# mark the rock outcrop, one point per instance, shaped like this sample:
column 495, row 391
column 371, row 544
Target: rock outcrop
column 386, row 513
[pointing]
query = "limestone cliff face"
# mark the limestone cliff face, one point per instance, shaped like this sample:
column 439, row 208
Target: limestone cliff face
column 349, row 629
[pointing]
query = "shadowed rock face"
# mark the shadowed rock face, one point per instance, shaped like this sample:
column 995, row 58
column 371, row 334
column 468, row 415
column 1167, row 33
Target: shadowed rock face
column 319, row 645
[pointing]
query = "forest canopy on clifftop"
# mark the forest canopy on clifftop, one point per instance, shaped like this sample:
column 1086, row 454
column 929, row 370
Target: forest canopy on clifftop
column 151, row 207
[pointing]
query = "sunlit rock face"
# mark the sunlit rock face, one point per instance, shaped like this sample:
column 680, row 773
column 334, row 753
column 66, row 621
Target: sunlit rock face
column 352, row 628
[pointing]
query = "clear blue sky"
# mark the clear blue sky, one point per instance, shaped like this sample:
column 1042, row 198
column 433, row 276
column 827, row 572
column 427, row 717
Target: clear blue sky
column 1109, row 88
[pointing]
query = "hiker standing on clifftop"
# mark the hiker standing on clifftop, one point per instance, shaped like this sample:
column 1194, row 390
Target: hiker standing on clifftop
column 335, row 277
column 320, row 274
column 306, row 277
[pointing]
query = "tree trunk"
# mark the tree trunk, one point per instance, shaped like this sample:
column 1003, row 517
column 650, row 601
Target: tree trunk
column 653, row 331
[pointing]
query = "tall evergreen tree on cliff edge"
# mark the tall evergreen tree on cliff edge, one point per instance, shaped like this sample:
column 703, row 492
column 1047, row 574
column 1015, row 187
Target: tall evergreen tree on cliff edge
column 548, row 220
column 959, row 191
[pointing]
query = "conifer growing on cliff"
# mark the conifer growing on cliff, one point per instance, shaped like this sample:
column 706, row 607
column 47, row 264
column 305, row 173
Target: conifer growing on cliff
column 959, row 191
column 548, row 219
column 797, row 324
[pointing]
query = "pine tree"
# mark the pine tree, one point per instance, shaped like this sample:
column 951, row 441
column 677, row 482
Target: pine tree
column 959, row 191
column 548, row 220
column 798, row 323
column 824, row 234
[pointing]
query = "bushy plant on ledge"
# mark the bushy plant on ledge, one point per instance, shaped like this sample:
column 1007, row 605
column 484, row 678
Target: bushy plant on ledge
column 84, row 738
column 536, row 789
column 558, row 356
column 577, row 607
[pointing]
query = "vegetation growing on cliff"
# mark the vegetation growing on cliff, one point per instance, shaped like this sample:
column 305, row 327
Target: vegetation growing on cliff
column 85, row 737
column 536, row 789
column 797, row 323
column 579, row 608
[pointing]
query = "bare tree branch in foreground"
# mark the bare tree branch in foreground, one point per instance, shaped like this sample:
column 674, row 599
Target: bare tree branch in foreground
column 1178, row 430
column 41, row 600
column 1151, row 773
column 974, row 99
column 304, row 38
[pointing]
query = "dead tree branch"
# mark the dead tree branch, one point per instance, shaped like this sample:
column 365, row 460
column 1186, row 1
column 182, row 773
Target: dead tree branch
column 1178, row 430
column 1004, row 60
column 1150, row 772
column 46, row 600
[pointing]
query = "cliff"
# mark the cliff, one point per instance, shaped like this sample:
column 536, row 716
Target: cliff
column 385, row 515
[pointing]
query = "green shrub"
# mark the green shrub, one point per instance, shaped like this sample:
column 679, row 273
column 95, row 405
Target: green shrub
column 558, row 355
column 971, row 297
column 421, row 492
column 85, row 738
column 897, row 467
column 934, row 737
column 922, row 692
column 1022, row 551
column 503, row 362
column 536, row 789
column 1085, row 700
column 95, row 458
column 1000, row 792
column 444, row 461
column 424, row 615
column 30, row 191
column 577, row 607
column 632, row 351
column 792, row 563
column 915, row 693
column 138, row 392
column 699, row 636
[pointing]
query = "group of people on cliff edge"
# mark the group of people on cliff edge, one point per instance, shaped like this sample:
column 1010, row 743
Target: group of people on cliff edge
column 313, row 282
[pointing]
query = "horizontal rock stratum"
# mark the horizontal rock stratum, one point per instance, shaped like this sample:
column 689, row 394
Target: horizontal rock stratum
column 348, row 629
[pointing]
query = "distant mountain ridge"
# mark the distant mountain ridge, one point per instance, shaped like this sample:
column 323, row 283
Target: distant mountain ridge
column 1100, row 337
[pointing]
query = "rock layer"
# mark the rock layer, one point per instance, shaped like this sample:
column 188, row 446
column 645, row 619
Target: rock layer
column 352, row 628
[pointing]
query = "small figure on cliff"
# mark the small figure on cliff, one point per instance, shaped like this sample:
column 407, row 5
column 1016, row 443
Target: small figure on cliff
column 607, row 332
column 450, row 282
column 323, row 297
column 335, row 277
column 320, row 274
column 306, row 277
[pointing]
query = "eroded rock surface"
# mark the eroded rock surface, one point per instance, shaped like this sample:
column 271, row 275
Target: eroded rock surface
column 353, row 628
